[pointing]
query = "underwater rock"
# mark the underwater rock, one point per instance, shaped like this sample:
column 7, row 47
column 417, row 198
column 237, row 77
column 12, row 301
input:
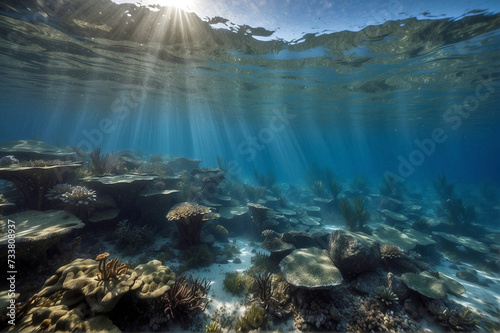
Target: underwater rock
column 425, row 285
column 366, row 282
column 396, row 285
column 80, row 275
column 467, row 276
column 221, row 259
column 300, row 239
column 236, row 260
column 183, row 163
column 310, row 221
column 393, row 219
column 35, row 150
column 464, row 241
column 189, row 219
column 259, row 215
column 322, row 238
column 104, row 216
column 8, row 160
column 235, row 219
column 353, row 252
column 310, row 268
column 386, row 235
column 61, row 318
column 123, row 188
column 36, row 231
column 421, row 238
column 34, row 181
column 278, row 248
column 452, row 286
column 156, row 279
column 391, row 204
column 314, row 211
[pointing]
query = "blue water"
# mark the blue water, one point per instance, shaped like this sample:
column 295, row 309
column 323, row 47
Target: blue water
column 408, row 99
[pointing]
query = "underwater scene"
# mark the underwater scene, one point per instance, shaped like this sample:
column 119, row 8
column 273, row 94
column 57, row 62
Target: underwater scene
column 249, row 166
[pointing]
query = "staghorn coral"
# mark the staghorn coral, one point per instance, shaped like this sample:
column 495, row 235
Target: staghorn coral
column 385, row 295
column 189, row 218
column 390, row 252
column 111, row 270
column 185, row 298
column 253, row 319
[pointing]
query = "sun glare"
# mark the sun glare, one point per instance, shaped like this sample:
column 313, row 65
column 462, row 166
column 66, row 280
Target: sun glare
column 186, row 5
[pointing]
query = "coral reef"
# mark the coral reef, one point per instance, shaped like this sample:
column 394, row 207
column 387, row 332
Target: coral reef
column 456, row 320
column 131, row 237
column 318, row 188
column 385, row 295
column 335, row 189
column 390, row 252
column 189, row 218
column 355, row 214
column 264, row 289
column 158, row 168
column 108, row 164
column 421, row 224
column 234, row 283
column 185, row 298
column 213, row 327
column 197, row 256
column 253, row 319
column 111, row 270
column 8, row 160
column 79, row 200
column 33, row 182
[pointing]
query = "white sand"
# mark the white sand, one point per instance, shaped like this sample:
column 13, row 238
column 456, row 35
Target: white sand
column 484, row 300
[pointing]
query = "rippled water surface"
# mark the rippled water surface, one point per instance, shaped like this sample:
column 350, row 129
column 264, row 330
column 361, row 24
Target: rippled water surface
column 95, row 73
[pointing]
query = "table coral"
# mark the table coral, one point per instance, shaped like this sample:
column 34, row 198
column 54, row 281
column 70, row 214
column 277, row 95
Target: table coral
column 189, row 218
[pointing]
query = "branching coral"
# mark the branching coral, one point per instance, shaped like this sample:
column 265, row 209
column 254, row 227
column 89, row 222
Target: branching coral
column 76, row 199
column 111, row 270
column 57, row 191
column 189, row 218
column 390, row 252
column 385, row 295
column 185, row 297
